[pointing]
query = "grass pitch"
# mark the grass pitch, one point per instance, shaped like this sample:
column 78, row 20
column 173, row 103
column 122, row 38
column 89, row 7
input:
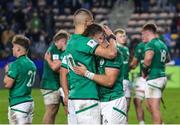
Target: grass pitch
column 170, row 116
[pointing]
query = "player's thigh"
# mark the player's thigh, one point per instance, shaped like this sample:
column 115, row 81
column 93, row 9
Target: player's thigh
column 21, row 113
column 51, row 96
column 140, row 88
column 153, row 88
column 84, row 111
column 114, row 112
column 140, row 84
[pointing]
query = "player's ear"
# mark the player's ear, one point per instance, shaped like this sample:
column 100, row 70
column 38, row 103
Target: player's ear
column 55, row 43
column 18, row 49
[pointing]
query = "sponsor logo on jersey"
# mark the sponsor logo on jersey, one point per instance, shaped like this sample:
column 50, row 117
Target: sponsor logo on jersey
column 92, row 43
column 55, row 56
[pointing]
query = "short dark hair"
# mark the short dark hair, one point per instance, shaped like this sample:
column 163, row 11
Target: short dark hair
column 151, row 27
column 92, row 29
column 60, row 35
column 22, row 41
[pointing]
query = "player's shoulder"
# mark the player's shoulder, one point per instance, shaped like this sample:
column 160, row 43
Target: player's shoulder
column 29, row 63
column 126, row 48
column 141, row 44
column 79, row 37
column 51, row 47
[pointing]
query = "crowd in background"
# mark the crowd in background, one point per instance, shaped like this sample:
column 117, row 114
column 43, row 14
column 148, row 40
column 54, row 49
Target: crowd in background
column 35, row 19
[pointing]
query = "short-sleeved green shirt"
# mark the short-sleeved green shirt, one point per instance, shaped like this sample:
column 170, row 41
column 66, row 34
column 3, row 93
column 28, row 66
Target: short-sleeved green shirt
column 80, row 49
column 23, row 71
column 157, row 67
column 50, row 78
column 107, row 94
column 139, row 54
column 125, row 52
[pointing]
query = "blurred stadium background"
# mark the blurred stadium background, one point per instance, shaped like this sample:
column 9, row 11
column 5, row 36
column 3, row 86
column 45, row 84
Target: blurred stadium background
column 40, row 19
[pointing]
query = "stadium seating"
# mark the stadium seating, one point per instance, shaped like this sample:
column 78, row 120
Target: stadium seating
column 65, row 21
column 162, row 19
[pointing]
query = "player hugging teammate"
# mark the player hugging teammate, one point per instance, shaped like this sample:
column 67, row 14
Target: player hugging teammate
column 93, row 72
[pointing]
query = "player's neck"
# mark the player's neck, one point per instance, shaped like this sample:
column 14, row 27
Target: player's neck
column 151, row 37
column 20, row 54
column 79, row 29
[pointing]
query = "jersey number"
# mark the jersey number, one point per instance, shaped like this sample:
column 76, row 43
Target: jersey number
column 31, row 74
column 163, row 56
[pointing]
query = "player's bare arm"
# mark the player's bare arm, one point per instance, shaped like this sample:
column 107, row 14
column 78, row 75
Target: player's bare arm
column 148, row 57
column 133, row 63
column 147, row 62
column 108, row 79
column 8, row 82
column 54, row 64
column 110, row 51
column 64, row 83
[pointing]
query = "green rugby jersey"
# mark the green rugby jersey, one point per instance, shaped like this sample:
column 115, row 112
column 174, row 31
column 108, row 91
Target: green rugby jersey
column 125, row 52
column 157, row 67
column 23, row 71
column 80, row 49
column 107, row 94
column 139, row 54
column 50, row 78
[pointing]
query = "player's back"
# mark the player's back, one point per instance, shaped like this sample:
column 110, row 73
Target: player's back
column 80, row 49
column 157, row 68
column 23, row 70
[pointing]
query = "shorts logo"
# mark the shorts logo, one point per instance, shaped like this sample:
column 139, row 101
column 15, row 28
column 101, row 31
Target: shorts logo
column 105, row 121
column 82, row 106
column 92, row 43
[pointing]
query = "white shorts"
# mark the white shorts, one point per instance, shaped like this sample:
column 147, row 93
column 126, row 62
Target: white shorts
column 83, row 112
column 51, row 96
column 155, row 87
column 140, row 88
column 127, row 88
column 21, row 113
column 114, row 112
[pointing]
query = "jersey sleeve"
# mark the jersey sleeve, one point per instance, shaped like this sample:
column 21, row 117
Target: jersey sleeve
column 88, row 46
column 149, row 46
column 115, row 63
column 12, row 71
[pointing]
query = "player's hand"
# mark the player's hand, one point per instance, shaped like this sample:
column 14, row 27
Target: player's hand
column 65, row 101
column 80, row 70
column 144, row 75
column 57, row 62
column 6, row 68
column 47, row 56
column 107, row 30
